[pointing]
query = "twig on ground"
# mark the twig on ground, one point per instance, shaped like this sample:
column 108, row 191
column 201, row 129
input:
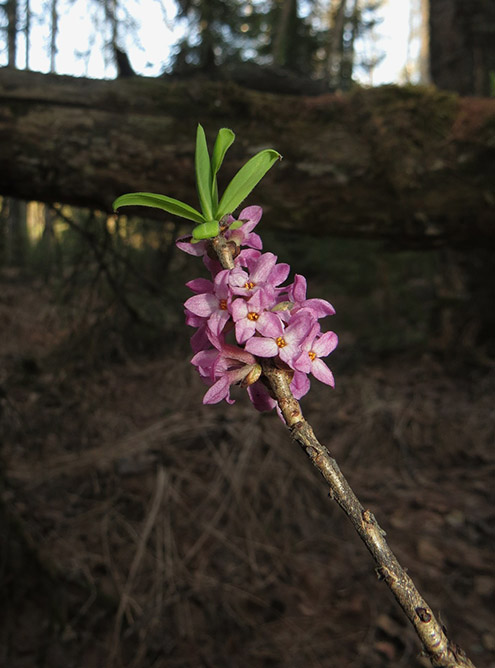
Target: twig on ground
column 136, row 562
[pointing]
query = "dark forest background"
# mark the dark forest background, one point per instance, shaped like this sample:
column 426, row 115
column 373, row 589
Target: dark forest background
column 139, row 528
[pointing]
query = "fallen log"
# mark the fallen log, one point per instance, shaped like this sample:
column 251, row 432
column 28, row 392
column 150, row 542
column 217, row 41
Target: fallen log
column 413, row 166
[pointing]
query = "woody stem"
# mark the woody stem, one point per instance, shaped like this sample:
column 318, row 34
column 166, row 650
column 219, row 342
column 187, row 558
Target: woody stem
column 440, row 650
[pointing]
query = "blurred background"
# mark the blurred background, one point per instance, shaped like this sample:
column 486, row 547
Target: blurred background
column 386, row 41
column 142, row 529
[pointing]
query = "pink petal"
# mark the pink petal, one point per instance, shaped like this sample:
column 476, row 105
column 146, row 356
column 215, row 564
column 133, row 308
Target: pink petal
column 300, row 384
column 254, row 241
column 222, row 284
column 204, row 360
column 216, row 340
column 279, row 273
column 217, row 320
column 263, row 267
column 248, row 258
column 244, row 330
column 200, row 285
column 299, row 327
column 325, row 344
column 298, row 290
column 269, row 324
column 238, row 278
column 320, row 307
column 202, row 305
column 194, row 320
column 320, row 370
column 218, row 391
column 199, row 340
column 261, row 346
column 239, row 309
column 303, row 362
column 257, row 302
column 184, row 243
column 258, row 394
column 239, row 354
column 288, row 353
column 251, row 214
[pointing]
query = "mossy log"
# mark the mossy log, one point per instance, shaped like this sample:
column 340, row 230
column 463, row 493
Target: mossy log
column 414, row 166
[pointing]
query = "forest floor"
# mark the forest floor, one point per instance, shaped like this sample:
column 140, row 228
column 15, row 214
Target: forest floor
column 141, row 529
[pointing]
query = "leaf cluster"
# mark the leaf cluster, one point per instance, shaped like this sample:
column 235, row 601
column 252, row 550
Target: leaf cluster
column 212, row 209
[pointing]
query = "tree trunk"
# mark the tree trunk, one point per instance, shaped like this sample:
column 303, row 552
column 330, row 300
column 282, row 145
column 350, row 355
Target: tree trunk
column 11, row 9
column 413, row 166
column 334, row 58
column 462, row 38
column 281, row 39
column 53, row 34
column 424, row 39
column 27, row 33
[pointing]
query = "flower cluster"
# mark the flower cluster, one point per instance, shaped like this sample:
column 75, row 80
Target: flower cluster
column 244, row 314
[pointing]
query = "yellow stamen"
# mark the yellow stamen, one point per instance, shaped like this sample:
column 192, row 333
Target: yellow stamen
column 249, row 285
column 253, row 316
column 312, row 355
column 223, row 304
column 280, row 341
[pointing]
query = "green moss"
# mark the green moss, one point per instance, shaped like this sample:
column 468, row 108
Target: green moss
column 424, row 107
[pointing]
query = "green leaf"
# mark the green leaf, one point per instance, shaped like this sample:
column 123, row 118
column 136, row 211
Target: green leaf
column 163, row 202
column 223, row 142
column 245, row 180
column 206, row 230
column 203, row 173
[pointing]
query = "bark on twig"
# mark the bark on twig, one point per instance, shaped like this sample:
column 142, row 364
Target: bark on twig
column 441, row 652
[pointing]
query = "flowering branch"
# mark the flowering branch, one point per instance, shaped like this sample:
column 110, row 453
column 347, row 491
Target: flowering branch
column 439, row 649
column 253, row 332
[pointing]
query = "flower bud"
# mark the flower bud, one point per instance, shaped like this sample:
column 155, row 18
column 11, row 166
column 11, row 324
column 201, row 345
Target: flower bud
column 283, row 306
column 252, row 376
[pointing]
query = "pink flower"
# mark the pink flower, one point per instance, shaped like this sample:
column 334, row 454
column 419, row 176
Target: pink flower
column 317, row 345
column 267, row 320
column 297, row 295
column 244, row 236
column 185, row 244
column 229, row 366
column 247, row 258
column 286, row 343
column 204, row 361
column 250, row 315
column 199, row 249
column 214, row 304
column 263, row 272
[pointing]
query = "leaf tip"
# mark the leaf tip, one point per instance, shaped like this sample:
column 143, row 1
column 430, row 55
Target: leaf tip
column 116, row 203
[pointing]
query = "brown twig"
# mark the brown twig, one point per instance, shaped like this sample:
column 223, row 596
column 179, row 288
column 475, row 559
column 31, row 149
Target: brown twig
column 138, row 557
column 441, row 652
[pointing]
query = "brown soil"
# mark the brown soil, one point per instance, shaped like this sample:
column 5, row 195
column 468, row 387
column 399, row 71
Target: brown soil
column 141, row 529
